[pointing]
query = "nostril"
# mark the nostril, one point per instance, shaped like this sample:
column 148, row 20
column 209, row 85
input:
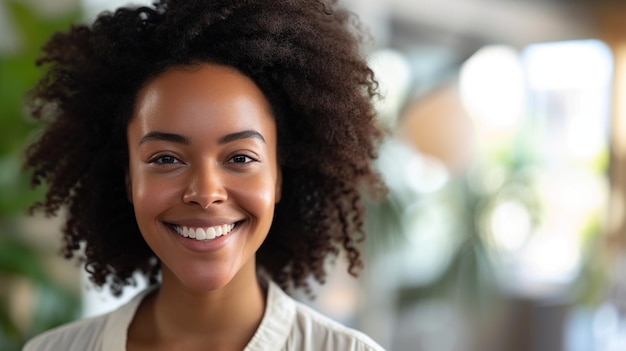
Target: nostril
column 204, row 199
column 205, row 186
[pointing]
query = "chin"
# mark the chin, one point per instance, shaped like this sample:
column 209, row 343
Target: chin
column 203, row 279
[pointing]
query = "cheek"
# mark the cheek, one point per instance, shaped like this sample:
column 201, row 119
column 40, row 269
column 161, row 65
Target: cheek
column 258, row 198
column 151, row 197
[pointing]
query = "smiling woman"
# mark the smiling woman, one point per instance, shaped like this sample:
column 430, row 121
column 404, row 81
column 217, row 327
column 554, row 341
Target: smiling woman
column 220, row 148
column 202, row 157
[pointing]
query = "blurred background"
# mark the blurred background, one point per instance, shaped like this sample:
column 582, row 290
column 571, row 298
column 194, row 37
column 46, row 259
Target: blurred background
column 505, row 224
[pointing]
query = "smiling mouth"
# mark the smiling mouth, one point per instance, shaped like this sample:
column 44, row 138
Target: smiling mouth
column 203, row 234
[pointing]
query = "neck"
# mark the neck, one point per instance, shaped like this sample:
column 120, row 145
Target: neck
column 227, row 316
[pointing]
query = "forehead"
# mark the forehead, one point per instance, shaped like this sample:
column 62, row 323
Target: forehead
column 207, row 95
column 202, row 81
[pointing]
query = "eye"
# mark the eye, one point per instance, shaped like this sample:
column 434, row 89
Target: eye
column 241, row 159
column 164, row 160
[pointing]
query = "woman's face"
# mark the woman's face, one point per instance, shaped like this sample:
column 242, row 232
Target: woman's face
column 202, row 174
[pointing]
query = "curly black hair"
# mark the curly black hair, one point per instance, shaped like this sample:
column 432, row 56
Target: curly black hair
column 306, row 57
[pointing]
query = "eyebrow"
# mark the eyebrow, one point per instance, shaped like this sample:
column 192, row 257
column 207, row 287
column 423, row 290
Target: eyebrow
column 160, row 136
column 246, row 134
column 179, row 139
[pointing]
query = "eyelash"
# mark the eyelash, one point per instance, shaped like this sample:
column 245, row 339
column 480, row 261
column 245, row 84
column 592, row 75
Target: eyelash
column 237, row 159
column 246, row 159
column 159, row 160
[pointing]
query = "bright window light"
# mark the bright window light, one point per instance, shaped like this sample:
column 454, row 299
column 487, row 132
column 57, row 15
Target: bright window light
column 543, row 114
column 581, row 64
column 492, row 86
column 580, row 72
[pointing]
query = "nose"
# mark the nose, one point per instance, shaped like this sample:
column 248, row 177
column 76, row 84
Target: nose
column 205, row 187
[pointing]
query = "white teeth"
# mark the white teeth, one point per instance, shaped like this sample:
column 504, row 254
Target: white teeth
column 201, row 234
column 210, row 233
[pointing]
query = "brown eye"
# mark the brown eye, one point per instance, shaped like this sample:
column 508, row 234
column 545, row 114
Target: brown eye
column 163, row 160
column 241, row 159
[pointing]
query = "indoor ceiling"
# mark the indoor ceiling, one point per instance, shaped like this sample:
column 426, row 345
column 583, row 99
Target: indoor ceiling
column 516, row 22
column 437, row 36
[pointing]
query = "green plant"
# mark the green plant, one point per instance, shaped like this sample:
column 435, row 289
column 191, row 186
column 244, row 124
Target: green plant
column 20, row 259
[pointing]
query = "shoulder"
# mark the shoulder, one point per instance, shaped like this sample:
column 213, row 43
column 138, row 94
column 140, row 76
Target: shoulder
column 314, row 328
column 308, row 329
column 83, row 334
column 104, row 332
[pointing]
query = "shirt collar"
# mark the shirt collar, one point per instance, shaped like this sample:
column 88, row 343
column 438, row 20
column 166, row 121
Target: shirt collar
column 277, row 322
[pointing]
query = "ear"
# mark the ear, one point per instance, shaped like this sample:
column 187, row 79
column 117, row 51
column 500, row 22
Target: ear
column 129, row 187
column 279, row 186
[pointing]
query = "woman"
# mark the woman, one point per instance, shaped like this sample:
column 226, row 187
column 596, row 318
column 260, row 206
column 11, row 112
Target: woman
column 219, row 148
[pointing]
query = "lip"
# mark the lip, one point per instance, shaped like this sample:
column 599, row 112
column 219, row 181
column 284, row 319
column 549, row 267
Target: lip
column 202, row 223
column 205, row 245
